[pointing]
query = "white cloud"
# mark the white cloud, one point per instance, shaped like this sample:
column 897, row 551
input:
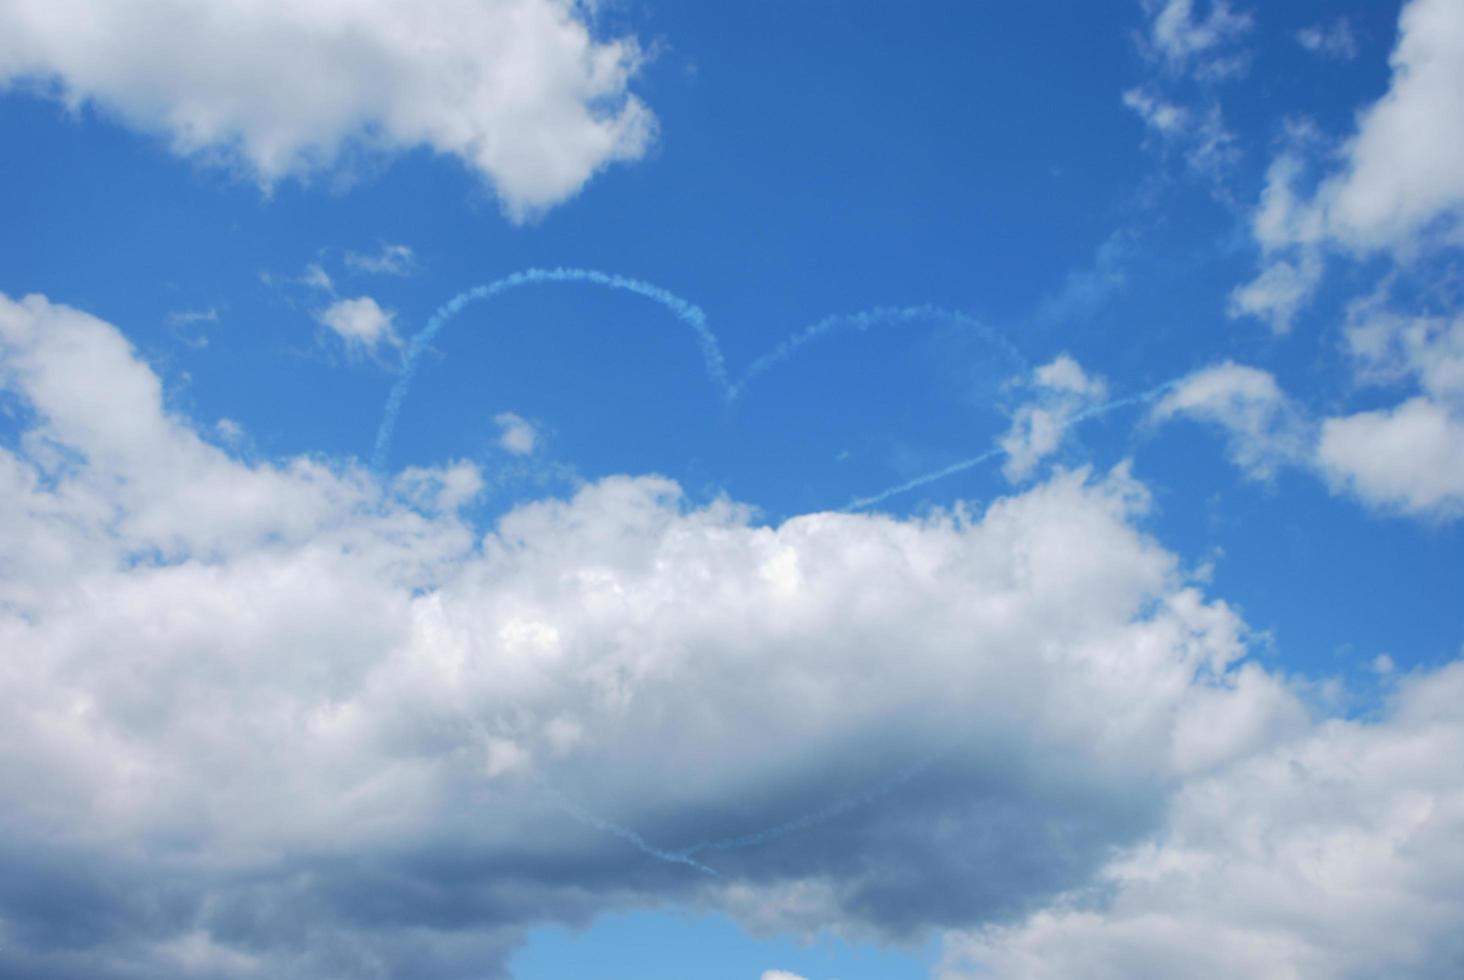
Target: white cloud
column 1279, row 292
column 1399, row 187
column 186, row 318
column 1331, row 856
column 518, row 90
column 1265, row 430
column 1063, row 390
column 516, row 434
column 361, row 323
column 1334, row 39
column 1184, row 39
column 1408, row 458
column 264, row 706
column 1164, row 117
column 316, row 277
column 389, row 260
column 781, row 975
column 1192, row 49
column 1404, row 169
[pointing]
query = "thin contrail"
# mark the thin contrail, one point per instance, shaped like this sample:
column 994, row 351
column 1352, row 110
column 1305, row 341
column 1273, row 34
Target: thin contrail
column 823, row 815
column 685, row 311
column 685, row 855
column 860, row 503
column 878, row 316
column 625, row 833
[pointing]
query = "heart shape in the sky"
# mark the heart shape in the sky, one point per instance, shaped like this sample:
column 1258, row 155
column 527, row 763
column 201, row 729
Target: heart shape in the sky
column 687, row 313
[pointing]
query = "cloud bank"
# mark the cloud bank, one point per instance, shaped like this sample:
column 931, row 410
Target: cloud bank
column 519, row 91
column 285, row 718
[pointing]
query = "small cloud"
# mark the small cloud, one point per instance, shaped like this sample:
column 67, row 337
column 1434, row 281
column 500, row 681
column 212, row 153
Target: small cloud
column 516, row 434
column 1202, row 45
column 188, row 318
column 1383, row 664
column 1164, row 117
column 229, row 432
column 1279, row 292
column 1063, row 390
column 317, row 278
column 1334, row 40
column 390, row 260
column 360, row 322
column 780, row 975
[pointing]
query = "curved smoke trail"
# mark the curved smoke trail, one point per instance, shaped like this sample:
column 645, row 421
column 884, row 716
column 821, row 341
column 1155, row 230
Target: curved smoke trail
column 878, row 316
column 686, row 855
column 687, row 312
column 824, row 814
column 624, row 833
column 1143, row 398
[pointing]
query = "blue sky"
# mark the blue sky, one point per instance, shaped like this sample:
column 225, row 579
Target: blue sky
column 991, row 473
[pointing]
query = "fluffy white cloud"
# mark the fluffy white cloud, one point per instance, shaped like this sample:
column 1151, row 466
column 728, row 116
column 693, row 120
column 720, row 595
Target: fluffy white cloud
column 1409, row 458
column 1279, row 292
column 1400, row 185
column 291, row 721
column 780, row 975
column 516, row 434
column 518, row 90
column 1332, row 856
column 1063, row 391
column 360, row 322
column 1404, row 169
column 1265, row 430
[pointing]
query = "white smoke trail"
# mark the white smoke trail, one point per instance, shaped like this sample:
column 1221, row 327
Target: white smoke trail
column 879, row 316
column 688, row 313
column 624, row 833
column 860, row 503
column 823, row 815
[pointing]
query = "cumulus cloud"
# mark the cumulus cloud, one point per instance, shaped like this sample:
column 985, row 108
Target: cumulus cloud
column 1399, row 187
column 1407, row 459
column 516, row 434
column 1063, row 391
column 780, row 975
column 282, row 718
column 1331, row 856
column 1279, row 292
column 1265, row 429
column 361, row 323
column 519, row 91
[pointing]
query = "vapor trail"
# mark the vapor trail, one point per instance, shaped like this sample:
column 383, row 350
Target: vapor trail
column 624, row 833
column 860, row 503
column 807, row 821
column 687, row 312
column 863, row 321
